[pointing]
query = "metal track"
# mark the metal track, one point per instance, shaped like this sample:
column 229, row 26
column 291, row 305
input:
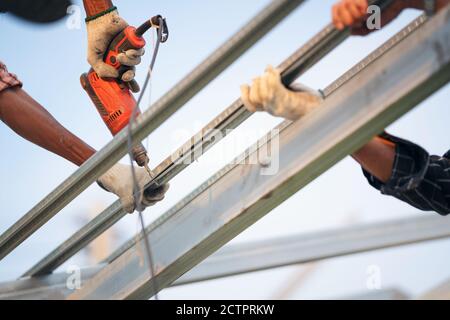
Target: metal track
column 298, row 63
column 265, row 254
column 310, row 247
column 392, row 85
column 404, row 33
column 160, row 111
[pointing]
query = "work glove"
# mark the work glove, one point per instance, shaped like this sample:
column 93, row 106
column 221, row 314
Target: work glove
column 119, row 180
column 101, row 32
column 267, row 93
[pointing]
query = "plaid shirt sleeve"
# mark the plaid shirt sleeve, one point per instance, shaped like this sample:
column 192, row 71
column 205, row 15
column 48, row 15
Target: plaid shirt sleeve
column 7, row 79
column 417, row 178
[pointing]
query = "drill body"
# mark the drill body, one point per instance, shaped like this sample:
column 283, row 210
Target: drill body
column 112, row 97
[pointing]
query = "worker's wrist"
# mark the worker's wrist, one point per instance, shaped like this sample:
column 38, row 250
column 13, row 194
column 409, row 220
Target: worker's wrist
column 420, row 4
column 97, row 8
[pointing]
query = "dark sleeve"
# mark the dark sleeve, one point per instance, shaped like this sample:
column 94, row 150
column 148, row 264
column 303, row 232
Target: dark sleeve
column 417, row 178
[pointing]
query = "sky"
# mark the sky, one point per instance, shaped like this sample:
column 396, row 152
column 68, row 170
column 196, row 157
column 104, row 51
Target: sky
column 50, row 59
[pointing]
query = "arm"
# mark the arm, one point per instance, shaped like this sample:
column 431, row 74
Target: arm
column 410, row 173
column 94, row 7
column 31, row 121
column 353, row 13
column 394, row 166
column 377, row 158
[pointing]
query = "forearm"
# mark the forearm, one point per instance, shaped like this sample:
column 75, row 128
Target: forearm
column 394, row 10
column 94, row 7
column 406, row 171
column 419, row 4
column 398, row 6
column 32, row 122
column 377, row 157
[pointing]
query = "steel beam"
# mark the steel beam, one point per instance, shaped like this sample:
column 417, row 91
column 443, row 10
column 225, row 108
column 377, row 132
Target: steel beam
column 309, row 54
column 51, row 287
column 160, row 111
column 239, row 195
column 298, row 63
column 230, row 118
column 267, row 254
column 274, row 253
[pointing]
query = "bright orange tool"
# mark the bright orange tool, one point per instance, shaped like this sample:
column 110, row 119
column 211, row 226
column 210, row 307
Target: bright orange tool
column 112, row 97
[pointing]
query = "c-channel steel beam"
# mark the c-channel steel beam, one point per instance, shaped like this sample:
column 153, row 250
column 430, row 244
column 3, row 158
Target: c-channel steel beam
column 417, row 23
column 303, row 59
column 56, row 286
column 265, row 254
column 275, row 253
column 239, row 195
column 167, row 105
column 234, row 115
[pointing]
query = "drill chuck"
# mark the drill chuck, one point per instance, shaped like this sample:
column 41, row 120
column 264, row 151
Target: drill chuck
column 140, row 155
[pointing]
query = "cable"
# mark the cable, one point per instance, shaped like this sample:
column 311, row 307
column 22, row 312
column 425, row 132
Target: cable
column 137, row 193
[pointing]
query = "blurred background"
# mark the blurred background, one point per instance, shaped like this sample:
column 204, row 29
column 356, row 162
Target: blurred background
column 49, row 61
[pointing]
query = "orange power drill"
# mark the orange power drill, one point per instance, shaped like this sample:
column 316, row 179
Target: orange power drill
column 112, row 97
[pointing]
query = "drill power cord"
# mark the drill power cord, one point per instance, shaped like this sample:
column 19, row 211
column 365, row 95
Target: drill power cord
column 138, row 194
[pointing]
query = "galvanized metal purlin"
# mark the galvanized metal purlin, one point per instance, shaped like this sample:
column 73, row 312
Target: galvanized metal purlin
column 265, row 254
column 401, row 35
column 230, row 118
column 298, row 63
column 160, row 111
column 239, row 195
column 274, row 253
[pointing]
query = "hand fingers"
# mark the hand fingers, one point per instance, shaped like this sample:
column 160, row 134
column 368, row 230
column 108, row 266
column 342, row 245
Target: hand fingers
column 132, row 53
column 362, row 6
column 273, row 71
column 105, row 71
column 336, row 19
column 129, row 75
column 255, row 94
column 134, row 86
column 152, row 196
column 348, row 12
column 258, row 96
column 344, row 15
column 353, row 10
column 126, row 60
column 128, row 204
column 245, row 97
column 266, row 89
column 272, row 79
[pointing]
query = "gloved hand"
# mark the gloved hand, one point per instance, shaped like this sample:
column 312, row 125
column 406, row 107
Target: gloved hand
column 100, row 33
column 267, row 93
column 119, row 181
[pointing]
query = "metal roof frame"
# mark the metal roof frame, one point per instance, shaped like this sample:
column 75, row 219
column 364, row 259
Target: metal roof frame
column 239, row 194
column 264, row 254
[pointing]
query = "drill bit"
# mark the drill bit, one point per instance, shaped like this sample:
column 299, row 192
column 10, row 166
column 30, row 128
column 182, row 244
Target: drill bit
column 148, row 170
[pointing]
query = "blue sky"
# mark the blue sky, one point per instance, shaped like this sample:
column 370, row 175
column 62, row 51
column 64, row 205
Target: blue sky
column 49, row 61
